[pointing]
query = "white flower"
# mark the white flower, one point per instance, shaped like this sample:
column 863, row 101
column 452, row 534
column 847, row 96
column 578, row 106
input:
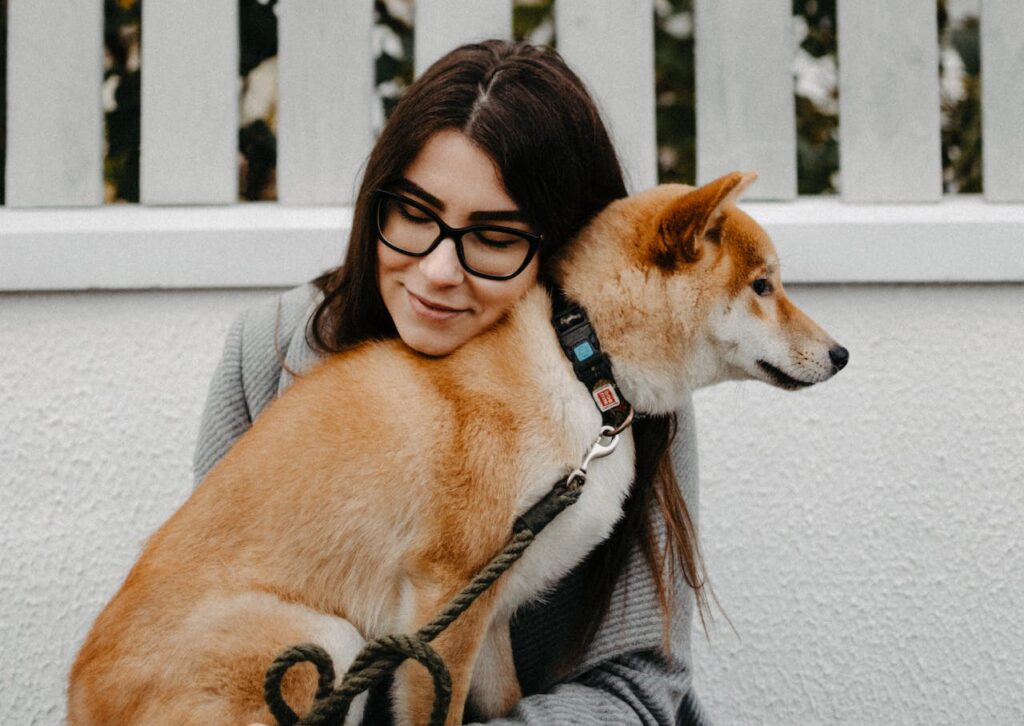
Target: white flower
column 679, row 25
column 400, row 10
column 386, row 41
column 259, row 95
column 109, row 93
column 816, row 80
column 952, row 75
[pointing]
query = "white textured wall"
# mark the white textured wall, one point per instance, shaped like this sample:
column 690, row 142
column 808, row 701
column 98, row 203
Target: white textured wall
column 864, row 537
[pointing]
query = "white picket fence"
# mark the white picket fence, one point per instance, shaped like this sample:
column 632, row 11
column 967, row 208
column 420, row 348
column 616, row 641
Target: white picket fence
column 891, row 223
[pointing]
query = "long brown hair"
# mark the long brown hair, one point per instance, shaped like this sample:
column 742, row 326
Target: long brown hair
column 533, row 116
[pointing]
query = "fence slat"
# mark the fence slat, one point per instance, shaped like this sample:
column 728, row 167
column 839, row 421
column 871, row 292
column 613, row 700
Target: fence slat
column 746, row 117
column 325, row 99
column 442, row 25
column 889, row 144
column 54, row 106
column 1002, row 103
column 594, row 41
column 189, row 119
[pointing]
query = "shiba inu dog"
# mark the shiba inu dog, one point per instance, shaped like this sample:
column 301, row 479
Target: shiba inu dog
column 373, row 490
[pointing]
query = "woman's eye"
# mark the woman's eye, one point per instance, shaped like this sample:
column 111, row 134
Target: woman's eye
column 412, row 214
column 761, row 286
column 497, row 241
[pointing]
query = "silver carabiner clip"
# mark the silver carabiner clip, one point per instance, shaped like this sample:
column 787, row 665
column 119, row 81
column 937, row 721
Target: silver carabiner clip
column 605, row 444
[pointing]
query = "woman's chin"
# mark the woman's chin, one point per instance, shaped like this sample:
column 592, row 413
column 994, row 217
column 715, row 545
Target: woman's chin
column 431, row 343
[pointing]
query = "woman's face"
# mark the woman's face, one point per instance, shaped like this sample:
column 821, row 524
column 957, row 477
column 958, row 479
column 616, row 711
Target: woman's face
column 436, row 305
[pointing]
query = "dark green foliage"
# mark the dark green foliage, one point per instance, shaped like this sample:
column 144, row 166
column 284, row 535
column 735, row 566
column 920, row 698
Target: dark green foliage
column 393, row 72
column 258, row 147
column 527, row 17
column 967, row 41
column 817, row 148
column 817, row 129
column 676, row 102
column 257, row 28
column 122, row 26
column 3, row 95
column 821, row 25
column 961, row 113
column 121, row 168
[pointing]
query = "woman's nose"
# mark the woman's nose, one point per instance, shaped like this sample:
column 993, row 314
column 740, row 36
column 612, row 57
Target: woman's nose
column 442, row 266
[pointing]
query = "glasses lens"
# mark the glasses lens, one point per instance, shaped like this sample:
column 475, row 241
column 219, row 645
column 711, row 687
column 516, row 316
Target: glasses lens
column 495, row 252
column 405, row 226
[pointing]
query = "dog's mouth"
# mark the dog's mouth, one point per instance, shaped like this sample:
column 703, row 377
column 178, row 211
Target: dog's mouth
column 781, row 379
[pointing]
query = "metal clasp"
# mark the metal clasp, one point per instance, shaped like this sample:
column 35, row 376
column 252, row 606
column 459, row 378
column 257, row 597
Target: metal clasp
column 605, row 444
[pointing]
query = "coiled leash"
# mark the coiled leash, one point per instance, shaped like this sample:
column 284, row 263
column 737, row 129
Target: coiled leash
column 382, row 656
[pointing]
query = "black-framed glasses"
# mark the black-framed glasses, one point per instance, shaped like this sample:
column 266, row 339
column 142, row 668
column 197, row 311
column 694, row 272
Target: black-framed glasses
column 485, row 250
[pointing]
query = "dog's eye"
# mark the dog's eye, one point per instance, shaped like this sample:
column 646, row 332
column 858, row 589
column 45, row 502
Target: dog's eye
column 762, row 286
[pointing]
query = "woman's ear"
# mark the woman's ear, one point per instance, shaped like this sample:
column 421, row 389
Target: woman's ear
column 694, row 216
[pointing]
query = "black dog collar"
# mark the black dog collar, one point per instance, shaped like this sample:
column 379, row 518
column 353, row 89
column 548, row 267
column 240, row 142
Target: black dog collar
column 580, row 344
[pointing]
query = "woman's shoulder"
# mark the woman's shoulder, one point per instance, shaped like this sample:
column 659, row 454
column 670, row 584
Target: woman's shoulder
column 280, row 314
column 261, row 341
column 273, row 342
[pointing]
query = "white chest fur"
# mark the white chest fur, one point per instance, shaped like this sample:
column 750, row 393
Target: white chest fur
column 575, row 531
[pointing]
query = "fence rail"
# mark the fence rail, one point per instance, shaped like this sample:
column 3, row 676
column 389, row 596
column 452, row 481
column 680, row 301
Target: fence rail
column 889, row 133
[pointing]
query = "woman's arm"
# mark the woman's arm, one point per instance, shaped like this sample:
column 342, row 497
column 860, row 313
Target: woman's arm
column 639, row 688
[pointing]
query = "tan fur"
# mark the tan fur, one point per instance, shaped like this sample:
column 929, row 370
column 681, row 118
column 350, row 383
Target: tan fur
column 372, row 490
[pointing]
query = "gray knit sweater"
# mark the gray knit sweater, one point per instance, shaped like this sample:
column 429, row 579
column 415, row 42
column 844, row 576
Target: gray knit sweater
column 624, row 678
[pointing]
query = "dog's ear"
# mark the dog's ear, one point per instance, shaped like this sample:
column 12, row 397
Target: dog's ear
column 695, row 216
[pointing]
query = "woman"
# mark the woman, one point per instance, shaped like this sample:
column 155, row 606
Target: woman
column 501, row 136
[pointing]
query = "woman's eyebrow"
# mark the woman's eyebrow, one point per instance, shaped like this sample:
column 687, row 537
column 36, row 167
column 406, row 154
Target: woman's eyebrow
column 507, row 215
column 414, row 188
column 497, row 215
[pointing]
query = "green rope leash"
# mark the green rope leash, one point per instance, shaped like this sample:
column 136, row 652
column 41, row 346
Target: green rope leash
column 383, row 655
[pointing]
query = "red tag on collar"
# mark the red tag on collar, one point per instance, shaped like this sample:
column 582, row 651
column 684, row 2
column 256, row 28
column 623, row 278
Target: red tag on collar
column 605, row 397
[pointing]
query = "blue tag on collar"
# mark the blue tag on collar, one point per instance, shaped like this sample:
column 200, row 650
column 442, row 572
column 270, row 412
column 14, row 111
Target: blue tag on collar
column 583, row 351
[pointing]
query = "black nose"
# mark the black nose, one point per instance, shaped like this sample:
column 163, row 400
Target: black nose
column 840, row 357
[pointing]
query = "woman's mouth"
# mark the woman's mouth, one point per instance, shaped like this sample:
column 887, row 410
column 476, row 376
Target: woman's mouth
column 432, row 310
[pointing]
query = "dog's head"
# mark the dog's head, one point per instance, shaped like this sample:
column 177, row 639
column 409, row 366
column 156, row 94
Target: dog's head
column 684, row 291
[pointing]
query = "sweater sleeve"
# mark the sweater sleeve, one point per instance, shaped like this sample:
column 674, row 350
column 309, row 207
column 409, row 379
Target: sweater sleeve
column 226, row 414
column 625, row 678
column 634, row 688
column 247, row 376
